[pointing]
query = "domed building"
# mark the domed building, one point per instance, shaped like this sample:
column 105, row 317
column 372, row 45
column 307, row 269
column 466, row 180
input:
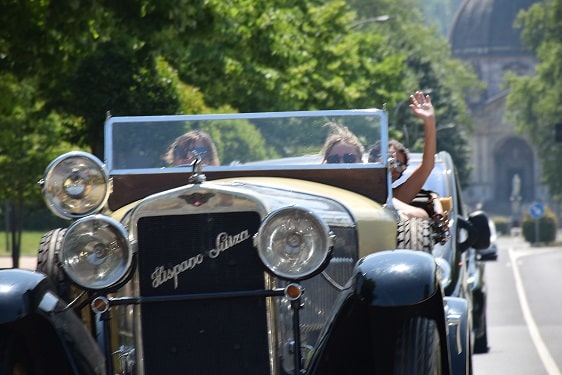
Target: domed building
column 506, row 168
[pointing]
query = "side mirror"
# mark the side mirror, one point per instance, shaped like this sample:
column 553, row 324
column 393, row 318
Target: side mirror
column 477, row 231
column 489, row 254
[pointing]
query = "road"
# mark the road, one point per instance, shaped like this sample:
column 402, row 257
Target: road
column 25, row 262
column 524, row 304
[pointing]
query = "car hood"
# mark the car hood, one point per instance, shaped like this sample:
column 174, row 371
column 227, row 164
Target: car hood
column 375, row 225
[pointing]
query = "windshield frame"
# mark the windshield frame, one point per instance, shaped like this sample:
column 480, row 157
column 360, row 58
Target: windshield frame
column 111, row 122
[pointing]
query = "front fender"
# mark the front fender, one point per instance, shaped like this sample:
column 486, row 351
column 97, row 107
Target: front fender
column 32, row 313
column 386, row 289
column 396, row 278
column 21, row 292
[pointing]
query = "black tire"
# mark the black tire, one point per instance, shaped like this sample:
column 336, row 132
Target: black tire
column 14, row 355
column 414, row 234
column 48, row 263
column 30, row 346
column 418, row 348
column 481, row 342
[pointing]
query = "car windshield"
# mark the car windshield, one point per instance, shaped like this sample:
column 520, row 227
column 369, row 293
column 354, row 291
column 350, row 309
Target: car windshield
column 145, row 144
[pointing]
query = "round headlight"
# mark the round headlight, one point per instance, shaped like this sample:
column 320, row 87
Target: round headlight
column 76, row 184
column 95, row 252
column 294, row 243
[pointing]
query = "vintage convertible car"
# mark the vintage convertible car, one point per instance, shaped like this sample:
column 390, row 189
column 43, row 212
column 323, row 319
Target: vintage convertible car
column 270, row 263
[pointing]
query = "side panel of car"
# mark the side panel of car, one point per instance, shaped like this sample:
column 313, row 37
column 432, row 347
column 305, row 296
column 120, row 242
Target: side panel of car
column 459, row 323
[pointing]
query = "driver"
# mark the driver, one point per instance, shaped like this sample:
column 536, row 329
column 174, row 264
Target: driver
column 191, row 145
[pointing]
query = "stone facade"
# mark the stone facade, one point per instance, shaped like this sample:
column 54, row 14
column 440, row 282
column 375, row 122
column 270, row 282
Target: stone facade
column 506, row 169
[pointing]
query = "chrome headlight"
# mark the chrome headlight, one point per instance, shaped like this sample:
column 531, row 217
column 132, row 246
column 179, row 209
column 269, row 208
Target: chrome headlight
column 76, row 184
column 294, row 243
column 95, row 252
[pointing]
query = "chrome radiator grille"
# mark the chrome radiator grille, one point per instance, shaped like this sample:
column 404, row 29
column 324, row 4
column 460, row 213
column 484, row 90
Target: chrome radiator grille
column 201, row 255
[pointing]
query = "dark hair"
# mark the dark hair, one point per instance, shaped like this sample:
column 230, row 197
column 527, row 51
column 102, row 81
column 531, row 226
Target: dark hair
column 341, row 134
column 185, row 143
column 375, row 151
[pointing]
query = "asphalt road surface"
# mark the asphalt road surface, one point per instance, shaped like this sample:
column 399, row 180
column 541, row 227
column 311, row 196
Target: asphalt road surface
column 524, row 311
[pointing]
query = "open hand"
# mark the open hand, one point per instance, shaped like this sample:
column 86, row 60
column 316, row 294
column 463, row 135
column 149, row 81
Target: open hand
column 421, row 106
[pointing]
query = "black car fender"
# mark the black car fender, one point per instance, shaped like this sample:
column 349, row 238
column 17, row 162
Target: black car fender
column 396, row 278
column 34, row 320
column 21, row 292
column 386, row 289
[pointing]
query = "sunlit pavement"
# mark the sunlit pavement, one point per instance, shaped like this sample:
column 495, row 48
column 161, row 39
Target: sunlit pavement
column 24, row 262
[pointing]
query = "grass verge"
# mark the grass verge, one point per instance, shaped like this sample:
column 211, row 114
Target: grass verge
column 29, row 243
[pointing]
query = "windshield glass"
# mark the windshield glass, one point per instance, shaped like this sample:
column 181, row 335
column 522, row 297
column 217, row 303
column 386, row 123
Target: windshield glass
column 253, row 140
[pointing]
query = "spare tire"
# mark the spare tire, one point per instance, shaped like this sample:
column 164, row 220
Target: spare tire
column 48, row 263
column 414, row 234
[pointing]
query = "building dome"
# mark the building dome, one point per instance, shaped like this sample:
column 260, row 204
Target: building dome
column 485, row 27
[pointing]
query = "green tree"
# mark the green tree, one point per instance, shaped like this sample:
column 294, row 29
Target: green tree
column 248, row 54
column 429, row 66
column 533, row 102
column 28, row 141
column 149, row 57
column 132, row 86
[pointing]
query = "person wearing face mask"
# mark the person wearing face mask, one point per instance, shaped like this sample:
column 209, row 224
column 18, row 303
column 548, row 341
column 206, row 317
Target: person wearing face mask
column 411, row 190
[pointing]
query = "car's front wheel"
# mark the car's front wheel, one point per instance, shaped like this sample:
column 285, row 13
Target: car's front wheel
column 481, row 342
column 14, row 357
column 418, row 349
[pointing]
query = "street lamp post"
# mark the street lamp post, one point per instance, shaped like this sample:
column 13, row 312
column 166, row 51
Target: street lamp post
column 378, row 19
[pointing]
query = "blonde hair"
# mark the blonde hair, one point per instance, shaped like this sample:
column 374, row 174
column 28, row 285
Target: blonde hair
column 341, row 134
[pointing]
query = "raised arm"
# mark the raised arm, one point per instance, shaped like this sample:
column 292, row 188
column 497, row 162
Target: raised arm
column 422, row 108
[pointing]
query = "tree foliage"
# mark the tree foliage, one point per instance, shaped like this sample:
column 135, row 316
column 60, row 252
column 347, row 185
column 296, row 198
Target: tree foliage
column 29, row 139
column 533, row 102
column 428, row 66
column 66, row 64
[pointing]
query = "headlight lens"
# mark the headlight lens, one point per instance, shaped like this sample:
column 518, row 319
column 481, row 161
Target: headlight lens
column 95, row 252
column 76, row 184
column 294, row 243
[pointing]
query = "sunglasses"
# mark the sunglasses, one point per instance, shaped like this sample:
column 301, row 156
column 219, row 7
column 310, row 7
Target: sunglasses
column 345, row 158
column 191, row 153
